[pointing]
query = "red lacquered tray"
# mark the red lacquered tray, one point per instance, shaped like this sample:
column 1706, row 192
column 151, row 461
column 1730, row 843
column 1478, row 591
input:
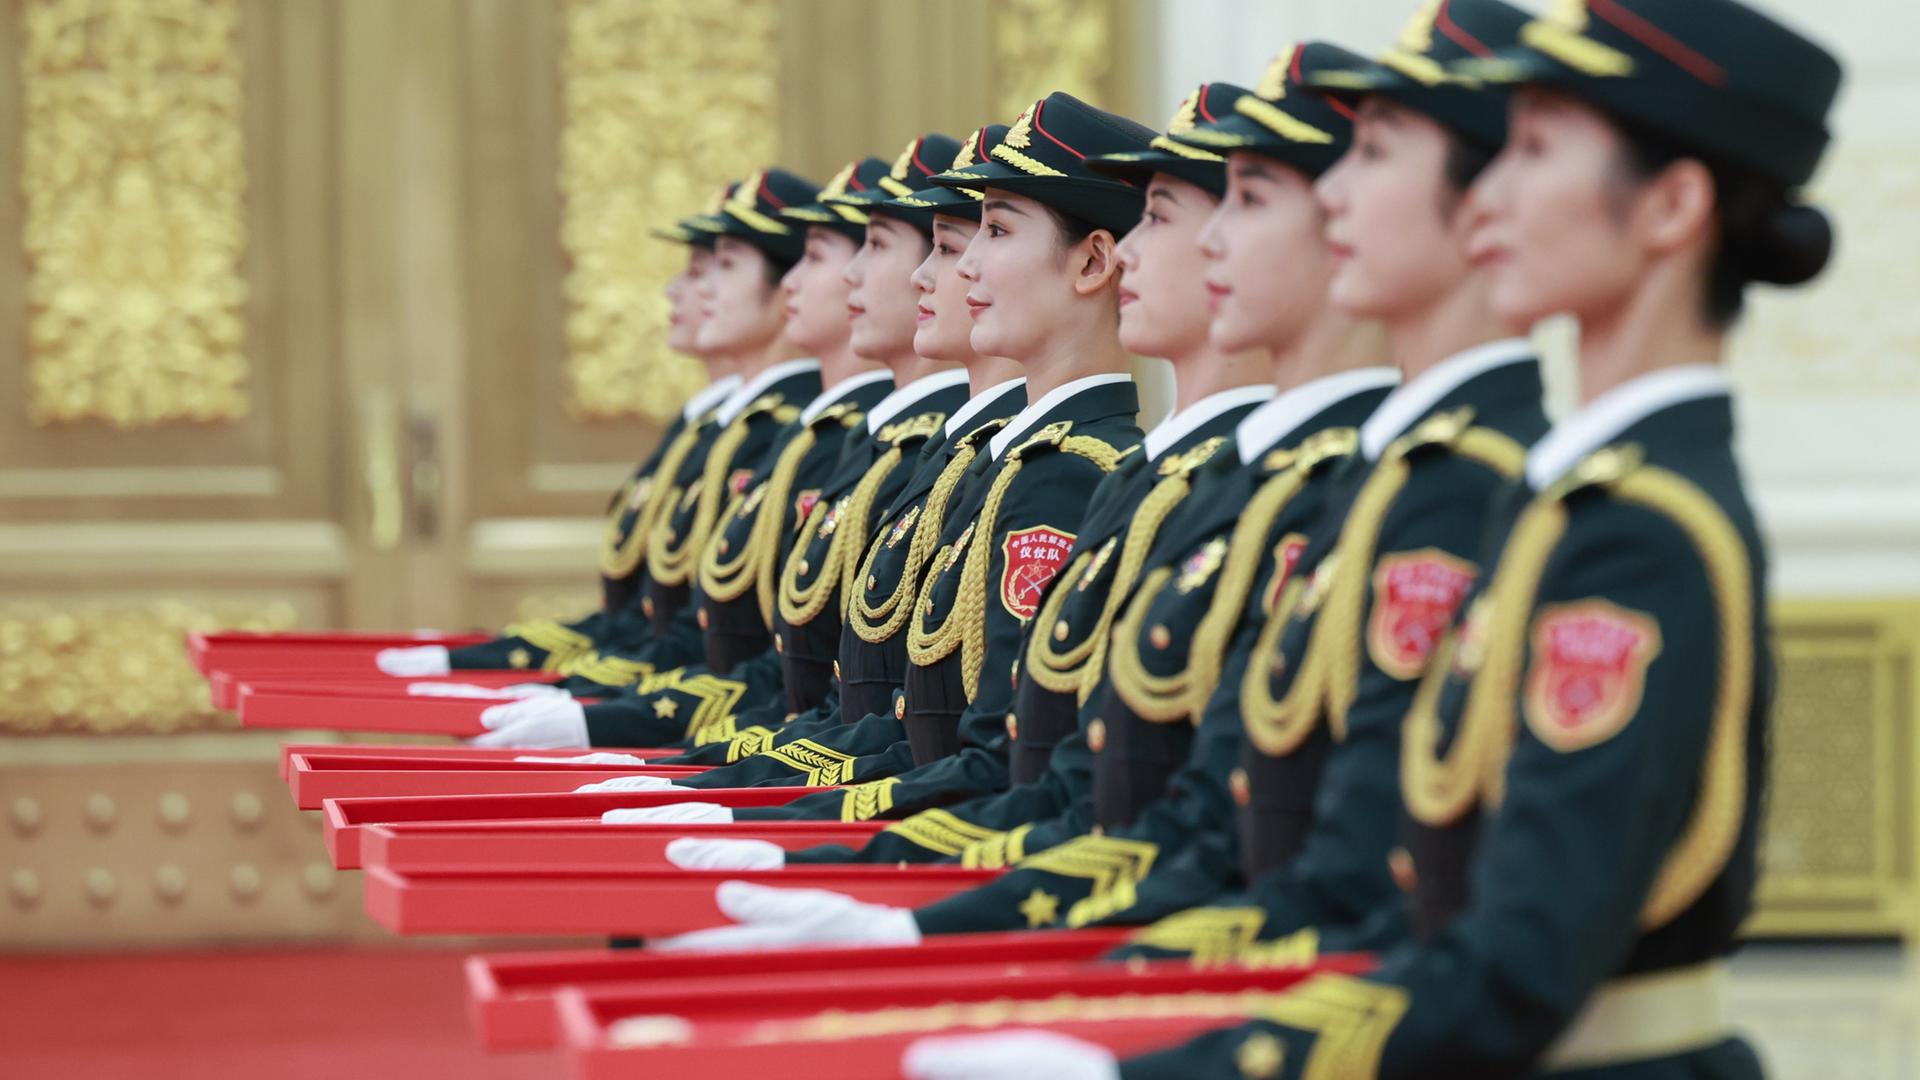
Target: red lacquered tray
column 863, row 1031
column 396, row 753
column 411, row 716
column 233, row 650
column 224, row 686
column 511, row 995
column 318, row 777
column 643, row 902
column 513, row 847
column 346, row 819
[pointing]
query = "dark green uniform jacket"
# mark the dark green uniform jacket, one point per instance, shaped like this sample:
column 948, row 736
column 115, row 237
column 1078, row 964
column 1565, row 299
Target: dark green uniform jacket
column 1144, row 502
column 997, row 552
column 1328, row 682
column 1583, row 777
column 1223, row 568
column 884, row 578
column 701, row 703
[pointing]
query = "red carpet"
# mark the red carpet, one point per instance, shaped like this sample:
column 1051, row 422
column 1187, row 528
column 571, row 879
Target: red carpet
column 259, row 1015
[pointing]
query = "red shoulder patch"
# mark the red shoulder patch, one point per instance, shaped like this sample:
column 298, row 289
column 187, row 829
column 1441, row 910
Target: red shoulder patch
column 739, row 480
column 1033, row 557
column 1415, row 594
column 1589, row 671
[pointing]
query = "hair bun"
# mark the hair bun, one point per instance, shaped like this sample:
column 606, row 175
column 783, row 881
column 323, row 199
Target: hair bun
column 1789, row 245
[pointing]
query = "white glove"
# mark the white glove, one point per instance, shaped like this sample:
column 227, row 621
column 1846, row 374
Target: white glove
column 541, row 723
column 693, row 853
column 680, row 813
column 482, row 693
column 414, row 661
column 598, row 757
column 775, row 918
column 631, row 783
column 1008, row 1055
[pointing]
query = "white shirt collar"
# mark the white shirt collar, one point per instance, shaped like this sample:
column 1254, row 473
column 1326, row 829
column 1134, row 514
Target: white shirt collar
column 1031, row 415
column 1415, row 399
column 964, row 414
column 905, row 396
column 839, row 391
column 1265, row 426
column 1603, row 419
column 747, row 394
column 704, row 398
column 1181, row 424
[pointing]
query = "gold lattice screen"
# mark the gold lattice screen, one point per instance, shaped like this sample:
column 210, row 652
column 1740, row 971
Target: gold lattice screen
column 134, row 183
column 664, row 101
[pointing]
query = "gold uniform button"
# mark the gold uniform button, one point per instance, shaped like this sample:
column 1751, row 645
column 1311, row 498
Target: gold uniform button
column 646, row 607
column 702, row 618
column 1160, row 636
column 836, row 669
column 724, row 546
column 1096, row 734
column 872, row 582
column 1061, row 630
column 1013, row 727
column 899, row 708
column 1242, row 792
column 805, row 568
column 780, row 646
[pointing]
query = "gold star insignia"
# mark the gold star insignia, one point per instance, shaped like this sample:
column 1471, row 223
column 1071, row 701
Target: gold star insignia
column 519, row 659
column 1041, row 909
column 1260, row 1057
column 665, row 708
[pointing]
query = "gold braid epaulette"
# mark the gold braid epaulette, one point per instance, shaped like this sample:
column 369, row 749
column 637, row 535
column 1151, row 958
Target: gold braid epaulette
column 673, row 560
column 1164, row 699
column 1330, row 671
column 1078, row 669
column 875, row 624
column 724, row 579
column 965, row 627
column 621, row 553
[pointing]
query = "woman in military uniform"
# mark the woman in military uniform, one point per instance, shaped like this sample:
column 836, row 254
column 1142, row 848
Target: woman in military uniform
column 1583, row 774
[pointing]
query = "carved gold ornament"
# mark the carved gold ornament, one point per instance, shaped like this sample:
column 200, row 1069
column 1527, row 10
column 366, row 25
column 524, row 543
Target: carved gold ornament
column 1040, row 46
column 117, row 668
column 134, row 179
column 664, row 101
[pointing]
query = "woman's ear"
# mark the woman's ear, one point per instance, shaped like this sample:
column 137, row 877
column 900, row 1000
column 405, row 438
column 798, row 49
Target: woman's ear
column 1098, row 263
column 1677, row 207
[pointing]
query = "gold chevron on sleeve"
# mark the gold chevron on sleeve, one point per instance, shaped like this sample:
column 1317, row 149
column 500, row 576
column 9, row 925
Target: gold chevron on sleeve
column 864, row 802
column 823, row 765
column 941, row 832
column 1112, row 864
column 997, row 852
column 1208, row 935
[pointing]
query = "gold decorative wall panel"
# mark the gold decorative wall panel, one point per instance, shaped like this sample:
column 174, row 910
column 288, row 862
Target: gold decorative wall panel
column 1842, row 819
column 664, row 100
column 134, row 180
column 1040, row 46
column 113, row 667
